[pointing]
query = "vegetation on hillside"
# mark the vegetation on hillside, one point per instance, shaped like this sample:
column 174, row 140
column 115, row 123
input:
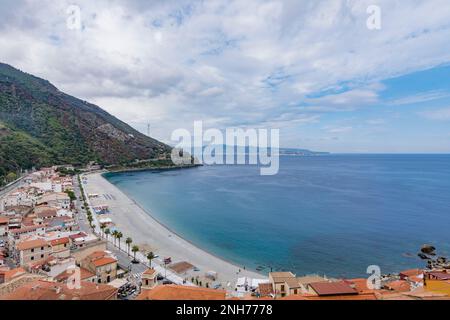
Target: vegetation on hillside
column 41, row 126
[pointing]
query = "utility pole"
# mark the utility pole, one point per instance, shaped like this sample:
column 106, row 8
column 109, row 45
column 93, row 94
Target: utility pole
column 148, row 129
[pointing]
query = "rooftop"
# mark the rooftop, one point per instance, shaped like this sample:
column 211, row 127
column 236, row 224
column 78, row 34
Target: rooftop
column 47, row 290
column 333, row 288
column 30, row 244
column 176, row 292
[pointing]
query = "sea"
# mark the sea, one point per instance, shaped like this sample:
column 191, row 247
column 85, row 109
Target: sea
column 332, row 215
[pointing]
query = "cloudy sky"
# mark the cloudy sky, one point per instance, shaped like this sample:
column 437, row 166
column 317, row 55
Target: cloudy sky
column 311, row 68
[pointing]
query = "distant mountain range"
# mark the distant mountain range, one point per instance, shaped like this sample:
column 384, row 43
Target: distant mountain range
column 40, row 125
column 251, row 149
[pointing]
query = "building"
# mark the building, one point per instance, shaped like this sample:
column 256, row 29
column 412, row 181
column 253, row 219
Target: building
column 56, row 200
column 70, row 273
column 102, row 264
column 61, row 247
column 283, row 283
column 149, row 279
column 177, row 292
column 49, row 290
column 30, row 251
column 337, row 288
column 45, row 212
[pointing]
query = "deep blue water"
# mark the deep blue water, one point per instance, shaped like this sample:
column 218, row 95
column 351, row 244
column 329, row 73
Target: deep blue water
column 334, row 214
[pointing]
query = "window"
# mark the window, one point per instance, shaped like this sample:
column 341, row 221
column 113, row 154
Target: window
column 295, row 291
column 42, row 248
column 282, row 287
column 42, row 256
column 32, row 250
column 32, row 258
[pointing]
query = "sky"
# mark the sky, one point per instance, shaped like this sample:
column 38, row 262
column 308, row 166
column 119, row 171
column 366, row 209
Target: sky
column 311, row 68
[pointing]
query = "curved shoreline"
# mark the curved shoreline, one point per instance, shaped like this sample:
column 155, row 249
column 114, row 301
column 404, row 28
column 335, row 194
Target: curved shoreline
column 184, row 238
column 144, row 228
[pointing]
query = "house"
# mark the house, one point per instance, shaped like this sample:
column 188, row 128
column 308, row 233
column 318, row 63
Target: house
column 149, row 279
column 305, row 281
column 336, row 288
column 177, row 292
column 61, row 247
column 49, row 290
column 438, row 282
column 284, row 283
column 102, row 264
column 30, row 251
column 56, row 200
column 70, row 273
column 45, row 212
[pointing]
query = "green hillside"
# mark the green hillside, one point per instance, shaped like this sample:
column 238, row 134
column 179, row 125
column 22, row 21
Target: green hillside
column 39, row 125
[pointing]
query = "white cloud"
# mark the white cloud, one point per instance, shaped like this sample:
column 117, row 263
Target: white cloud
column 439, row 114
column 231, row 63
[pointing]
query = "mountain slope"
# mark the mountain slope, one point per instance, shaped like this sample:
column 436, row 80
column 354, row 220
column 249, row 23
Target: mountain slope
column 58, row 128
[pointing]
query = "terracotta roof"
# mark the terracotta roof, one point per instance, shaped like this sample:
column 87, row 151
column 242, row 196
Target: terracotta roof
column 363, row 296
column 25, row 245
column 411, row 272
column 176, row 292
column 103, row 261
column 84, row 274
column 360, row 284
column 399, row 286
column 332, row 288
column 46, row 290
column 25, row 229
column 59, row 241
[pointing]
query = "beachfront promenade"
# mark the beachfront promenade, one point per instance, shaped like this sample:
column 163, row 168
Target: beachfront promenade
column 133, row 221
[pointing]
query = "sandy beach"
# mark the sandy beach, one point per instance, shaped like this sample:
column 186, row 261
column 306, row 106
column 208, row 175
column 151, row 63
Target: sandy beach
column 133, row 221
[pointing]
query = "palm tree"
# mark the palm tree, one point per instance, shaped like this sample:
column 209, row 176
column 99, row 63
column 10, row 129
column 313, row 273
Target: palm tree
column 107, row 232
column 114, row 234
column 89, row 218
column 128, row 241
column 102, row 228
column 150, row 257
column 135, row 249
column 119, row 236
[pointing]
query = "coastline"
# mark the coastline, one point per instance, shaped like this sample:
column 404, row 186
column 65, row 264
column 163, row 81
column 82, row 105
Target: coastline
column 149, row 233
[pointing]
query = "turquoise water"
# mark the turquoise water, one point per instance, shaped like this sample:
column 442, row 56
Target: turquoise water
column 334, row 214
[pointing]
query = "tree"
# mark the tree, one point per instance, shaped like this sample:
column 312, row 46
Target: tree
column 135, row 249
column 107, row 232
column 128, row 241
column 90, row 219
column 102, row 228
column 71, row 195
column 10, row 177
column 150, row 257
column 119, row 236
column 114, row 234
